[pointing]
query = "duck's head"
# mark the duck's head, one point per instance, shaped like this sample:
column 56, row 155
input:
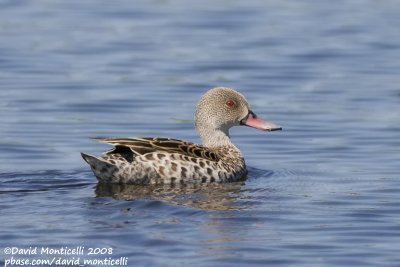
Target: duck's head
column 221, row 108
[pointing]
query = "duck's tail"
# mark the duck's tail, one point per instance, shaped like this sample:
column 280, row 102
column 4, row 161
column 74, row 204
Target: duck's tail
column 102, row 169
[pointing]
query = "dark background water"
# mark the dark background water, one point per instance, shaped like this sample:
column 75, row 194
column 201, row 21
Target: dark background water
column 324, row 192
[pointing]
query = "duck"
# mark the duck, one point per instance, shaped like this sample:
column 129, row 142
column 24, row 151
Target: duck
column 156, row 160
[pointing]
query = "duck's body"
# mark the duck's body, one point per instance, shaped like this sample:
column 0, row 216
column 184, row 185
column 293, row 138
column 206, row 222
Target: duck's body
column 168, row 161
column 165, row 160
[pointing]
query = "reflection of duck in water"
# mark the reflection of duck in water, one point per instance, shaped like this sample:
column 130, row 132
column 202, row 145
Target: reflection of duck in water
column 212, row 197
column 169, row 161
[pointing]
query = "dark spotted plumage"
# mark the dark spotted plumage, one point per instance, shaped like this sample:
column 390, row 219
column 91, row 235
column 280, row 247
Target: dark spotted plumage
column 148, row 160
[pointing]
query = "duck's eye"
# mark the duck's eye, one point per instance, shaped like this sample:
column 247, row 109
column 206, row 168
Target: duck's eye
column 230, row 103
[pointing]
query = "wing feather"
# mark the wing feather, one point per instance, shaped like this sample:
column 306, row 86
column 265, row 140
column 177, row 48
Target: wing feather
column 144, row 145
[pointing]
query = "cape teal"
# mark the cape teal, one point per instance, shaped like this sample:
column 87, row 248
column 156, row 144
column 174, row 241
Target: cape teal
column 149, row 160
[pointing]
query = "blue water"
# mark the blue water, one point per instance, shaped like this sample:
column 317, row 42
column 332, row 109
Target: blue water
column 323, row 192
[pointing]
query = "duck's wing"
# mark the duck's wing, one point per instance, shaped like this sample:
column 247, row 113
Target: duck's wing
column 144, row 145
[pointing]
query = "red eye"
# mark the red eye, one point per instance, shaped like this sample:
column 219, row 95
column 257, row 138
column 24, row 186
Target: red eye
column 230, row 103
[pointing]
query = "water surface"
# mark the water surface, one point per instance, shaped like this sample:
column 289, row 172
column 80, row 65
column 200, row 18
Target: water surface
column 323, row 192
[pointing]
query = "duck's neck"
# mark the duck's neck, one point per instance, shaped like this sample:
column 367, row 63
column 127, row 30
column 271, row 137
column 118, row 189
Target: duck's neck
column 216, row 138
